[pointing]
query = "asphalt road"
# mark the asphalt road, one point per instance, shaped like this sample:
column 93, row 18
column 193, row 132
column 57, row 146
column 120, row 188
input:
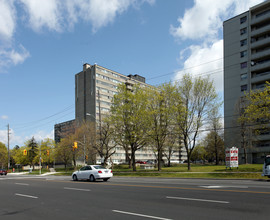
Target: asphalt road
column 55, row 197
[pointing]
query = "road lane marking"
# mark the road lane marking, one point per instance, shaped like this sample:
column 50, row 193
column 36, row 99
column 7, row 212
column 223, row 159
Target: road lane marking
column 33, row 197
column 87, row 190
column 201, row 200
column 141, row 215
column 218, row 187
column 23, row 184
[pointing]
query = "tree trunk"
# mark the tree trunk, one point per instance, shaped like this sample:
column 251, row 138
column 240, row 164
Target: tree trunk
column 133, row 159
column 159, row 159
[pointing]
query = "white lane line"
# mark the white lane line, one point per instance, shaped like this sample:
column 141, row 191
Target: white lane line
column 87, row 190
column 216, row 187
column 141, row 215
column 201, row 200
column 23, row 184
column 33, row 197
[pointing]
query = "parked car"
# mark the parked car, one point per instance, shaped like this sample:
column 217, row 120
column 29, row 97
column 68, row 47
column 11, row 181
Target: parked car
column 92, row 172
column 140, row 162
column 3, row 172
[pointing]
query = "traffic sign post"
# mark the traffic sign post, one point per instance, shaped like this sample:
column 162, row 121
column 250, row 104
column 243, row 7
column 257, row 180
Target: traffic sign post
column 231, row 157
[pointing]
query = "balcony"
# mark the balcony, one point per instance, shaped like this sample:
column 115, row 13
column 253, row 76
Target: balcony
column 260, row 31
column 260, row 43
column 260, row 66
column 262, row 18
column 260, row 54
column 260, row 78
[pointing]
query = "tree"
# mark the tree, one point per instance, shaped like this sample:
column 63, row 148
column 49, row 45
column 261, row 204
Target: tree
column 214, row 146
column 105, row 146
column 257, row 108
column 160, row 109
column 32, row 151
column 18, row 156
column 199, row 153
column 170, row 146
column 47, row 151
column 85, row 135
column 3, row 155
column 215, row 126
column 128, row 113
column 244, row 126
column 199, row 98
column 63, row 151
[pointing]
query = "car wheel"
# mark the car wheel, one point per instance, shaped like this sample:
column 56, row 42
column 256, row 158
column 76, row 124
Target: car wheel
column 92, row 178
column 105, row 180
column 74, row 177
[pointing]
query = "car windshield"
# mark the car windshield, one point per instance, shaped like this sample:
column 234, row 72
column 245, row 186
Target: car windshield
column 98, row 167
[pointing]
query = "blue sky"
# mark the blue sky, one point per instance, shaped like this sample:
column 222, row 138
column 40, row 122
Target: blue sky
column 43, row 44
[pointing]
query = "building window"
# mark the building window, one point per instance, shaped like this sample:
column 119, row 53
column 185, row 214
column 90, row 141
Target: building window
column 243, row 65
column 243, row 20
column 243, row 53
column 243, row 76
column 243, row 88
column 243, row 31
column 243, row 42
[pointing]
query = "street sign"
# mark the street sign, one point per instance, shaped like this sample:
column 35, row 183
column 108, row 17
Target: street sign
column 231, row 157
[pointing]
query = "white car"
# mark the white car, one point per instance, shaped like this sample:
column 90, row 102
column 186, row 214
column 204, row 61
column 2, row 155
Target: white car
column 92, row 172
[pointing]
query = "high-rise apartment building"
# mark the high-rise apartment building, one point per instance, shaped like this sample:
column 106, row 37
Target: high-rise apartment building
column 95, row 87
column 246, row 68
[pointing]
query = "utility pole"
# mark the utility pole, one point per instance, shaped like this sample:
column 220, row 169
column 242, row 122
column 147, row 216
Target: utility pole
column 101, row 147
column 8, row 133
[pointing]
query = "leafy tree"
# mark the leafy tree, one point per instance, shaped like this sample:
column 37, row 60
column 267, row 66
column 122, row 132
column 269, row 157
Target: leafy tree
column 258, row 105
column 32, row 151
column 214, row 146
column 128, row 113
column 254, row 115
column 160, row 109
column 63, row 151
column 170, row 146
column 47, row 151
column 216, row 128
column 199, row 97
column 199, row 153
column 3, row 155
column 18, row 155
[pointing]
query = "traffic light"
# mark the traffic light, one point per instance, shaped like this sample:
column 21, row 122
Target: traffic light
column 86, row 157
column 48, row 153
column 75, row 145
column 24, row 152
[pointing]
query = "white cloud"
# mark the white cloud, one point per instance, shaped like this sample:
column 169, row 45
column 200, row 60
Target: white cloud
column 41, row 135
column 205, row 18
column 7, row 20
column 205, row 60
column 203, row 25
column 4, row 117
column 11, row 56
column 18, row 140
column 43, row 14
column 57, row 15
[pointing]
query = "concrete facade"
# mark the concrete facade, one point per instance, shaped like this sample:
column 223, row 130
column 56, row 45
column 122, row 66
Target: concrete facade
column 246, row 68
column 63, row 129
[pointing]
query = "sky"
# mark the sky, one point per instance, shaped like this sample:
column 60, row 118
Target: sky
column 43, row 44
